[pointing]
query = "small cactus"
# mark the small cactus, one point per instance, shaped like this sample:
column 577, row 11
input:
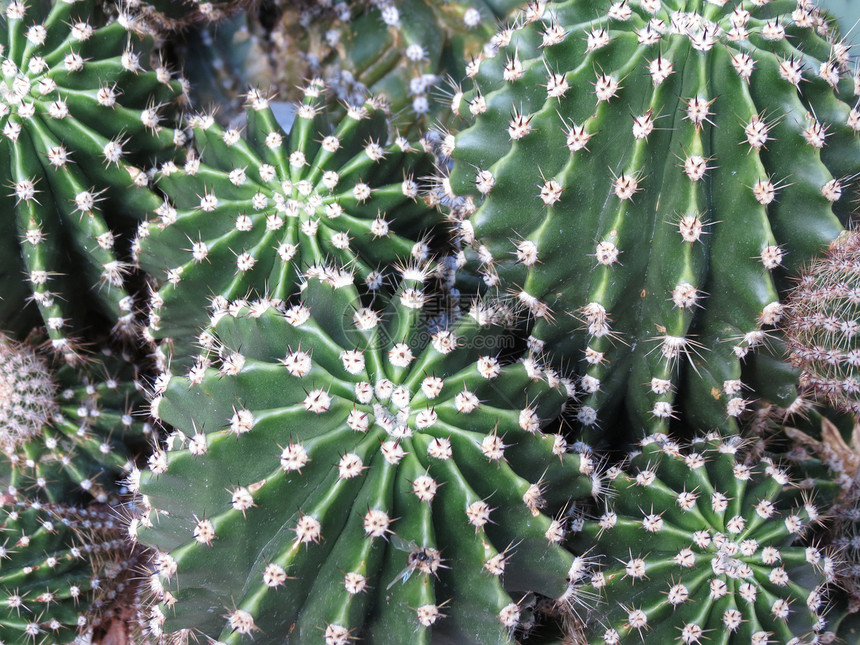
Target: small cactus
column 250, row 214
column 694, row 542
column 823, row 325
column 358, row 474
column 65, row 433
column 641, row 178
column 80, row 119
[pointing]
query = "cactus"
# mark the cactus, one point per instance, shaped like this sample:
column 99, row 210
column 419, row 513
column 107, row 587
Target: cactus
column 695, row 542
column 59, row 563
column 359, row 474
column 822, row 324
column 248, row 215
column 679, row 164
column 80, row 119
column 66, row 433
column 174, row 15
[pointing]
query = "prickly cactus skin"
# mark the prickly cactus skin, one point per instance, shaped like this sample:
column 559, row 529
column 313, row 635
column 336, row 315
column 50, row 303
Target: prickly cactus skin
column 56, row 563
column 80, row 119
column 358, row 473
column 67, row 431
column 678, row 158
column 250, row 213
column 694, row 541
column 823, row 322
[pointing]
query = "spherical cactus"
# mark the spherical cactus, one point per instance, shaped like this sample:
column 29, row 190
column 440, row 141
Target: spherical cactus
column 249, row 214
column 823, row 322
column 679, row 163
column 59, row 563
column 80, row 119
column 68, row 431
column 359, row 474
column 695, row 542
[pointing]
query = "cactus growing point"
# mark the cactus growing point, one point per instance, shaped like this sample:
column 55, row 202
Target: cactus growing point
column 359, row 474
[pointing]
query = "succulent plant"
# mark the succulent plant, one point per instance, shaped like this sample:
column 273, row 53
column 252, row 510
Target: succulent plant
column 66, row 434
column 641, row 178
column 358, row 474
column 250, row 214
column 81, row 119
column 695, row 542
column 823, row 321
column 58, row 566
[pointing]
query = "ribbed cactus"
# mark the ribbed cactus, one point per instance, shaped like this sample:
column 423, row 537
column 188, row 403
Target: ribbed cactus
column 823, row 323
column 66, row 434
column 171, row 15
column 59, row 563
column 640, row 175
column 359, row 474
column 81, row 118
column 696, row 544
column 402, row 50
column 250, row 214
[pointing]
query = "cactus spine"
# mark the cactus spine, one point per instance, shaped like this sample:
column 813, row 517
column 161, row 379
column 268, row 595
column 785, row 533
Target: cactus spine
column 717, row 133
column 372, row 475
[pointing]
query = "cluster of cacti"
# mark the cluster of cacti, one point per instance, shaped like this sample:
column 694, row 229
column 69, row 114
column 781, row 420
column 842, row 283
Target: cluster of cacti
column 407, row 311
column 722, row 133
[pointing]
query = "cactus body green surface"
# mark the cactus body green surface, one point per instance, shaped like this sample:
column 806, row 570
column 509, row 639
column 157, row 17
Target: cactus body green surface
column 640, row 176
column 67, row 432
column 81, row 119
column 358, row 475
column 250, row 214
column 694, row 543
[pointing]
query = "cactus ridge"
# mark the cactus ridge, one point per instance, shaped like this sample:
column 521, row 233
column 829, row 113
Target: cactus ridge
column 719, row 132
column 365, row 473
column 696, row 540
column 67, row 431
column 74, row 95
column 249, row 214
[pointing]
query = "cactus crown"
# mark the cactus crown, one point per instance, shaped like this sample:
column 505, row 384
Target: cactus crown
column 695, row 541
column 439, row 484
column 250, row 214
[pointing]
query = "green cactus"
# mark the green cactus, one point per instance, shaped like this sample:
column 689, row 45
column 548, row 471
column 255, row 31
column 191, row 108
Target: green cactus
column 66, row 433
column 696, row 543
column 58, row 568
column 641, row 176
column 358, row 474
column 250, row 214
column 81, row 119
column 822, row 325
